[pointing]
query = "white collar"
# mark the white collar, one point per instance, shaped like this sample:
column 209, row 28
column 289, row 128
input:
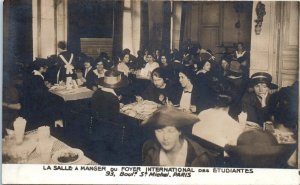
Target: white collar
column 234, row 77
column 98, row 74
column 37, row 73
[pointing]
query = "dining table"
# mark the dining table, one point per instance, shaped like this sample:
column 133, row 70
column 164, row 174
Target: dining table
column 28, row 151
column 140, row 110
column 72, row 94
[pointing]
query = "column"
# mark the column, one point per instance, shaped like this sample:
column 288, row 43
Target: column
column 176, row 24
column 49, row 25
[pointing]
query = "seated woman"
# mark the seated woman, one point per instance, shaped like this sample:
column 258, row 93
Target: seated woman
column 139, row 62
column 105, row 101
column 99, row 71
column 171, row 147
column 159, row 91
column 150, row 66
column 80, row 80
column 256, row 104
column 39, row 105
column 88, row 73
column 225, row 64
column 284, row 107
column 193, row 99
column 204, row 77
column 107, row 130
column 122, row 66
column 258, row 149
column 216, row 125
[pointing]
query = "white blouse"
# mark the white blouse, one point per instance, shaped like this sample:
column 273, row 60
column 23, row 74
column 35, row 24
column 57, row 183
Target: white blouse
column 238, row 55
column 185, row 101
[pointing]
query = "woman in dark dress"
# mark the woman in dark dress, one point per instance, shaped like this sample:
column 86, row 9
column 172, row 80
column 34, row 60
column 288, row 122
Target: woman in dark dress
column 39, row 106
column 160, row 91
column 193, row 98
column 171, row 147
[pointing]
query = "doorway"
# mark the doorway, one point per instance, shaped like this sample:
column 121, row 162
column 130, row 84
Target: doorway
column 218, row 26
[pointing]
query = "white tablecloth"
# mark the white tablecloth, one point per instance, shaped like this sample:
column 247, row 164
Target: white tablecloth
column 29, row 145
column 73, row 94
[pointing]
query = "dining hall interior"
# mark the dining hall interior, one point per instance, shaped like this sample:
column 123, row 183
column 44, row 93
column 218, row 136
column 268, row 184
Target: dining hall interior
column 154, row 83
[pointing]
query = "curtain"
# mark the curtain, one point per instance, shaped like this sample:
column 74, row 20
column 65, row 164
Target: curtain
column 117, row 27
column 183, row 21
column 144, row 25
column 166, row 36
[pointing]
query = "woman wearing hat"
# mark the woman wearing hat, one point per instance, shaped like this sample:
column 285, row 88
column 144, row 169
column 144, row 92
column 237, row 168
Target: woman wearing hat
column 258, row 149
column 171, row 147
column 256, row 104
column 105, row 101
column 106, row 128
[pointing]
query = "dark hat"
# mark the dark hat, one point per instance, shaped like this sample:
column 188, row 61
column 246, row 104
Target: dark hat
column 170, row 116
column 113, row 79
column 257, row 148
column 262, row 77
column 235, row 67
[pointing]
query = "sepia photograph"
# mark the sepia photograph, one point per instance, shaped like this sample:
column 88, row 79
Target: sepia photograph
column 149, row 88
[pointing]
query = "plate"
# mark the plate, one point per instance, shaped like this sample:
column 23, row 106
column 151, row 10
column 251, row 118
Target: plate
column 67, row 156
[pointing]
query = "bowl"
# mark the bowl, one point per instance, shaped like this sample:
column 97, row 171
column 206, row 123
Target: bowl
column 67, row 156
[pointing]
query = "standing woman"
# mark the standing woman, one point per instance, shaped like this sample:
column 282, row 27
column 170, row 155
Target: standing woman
column 242, row 56
column 66, row 62
column 171, row 147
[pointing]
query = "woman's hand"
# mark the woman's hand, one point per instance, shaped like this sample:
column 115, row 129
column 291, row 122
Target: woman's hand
column 264, row 99
column 138, row 99
column 48, row 84
column 243, row 118
column 193, row 108
column 94, row 88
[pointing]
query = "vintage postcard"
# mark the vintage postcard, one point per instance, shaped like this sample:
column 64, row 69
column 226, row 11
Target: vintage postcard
column 150, row 92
